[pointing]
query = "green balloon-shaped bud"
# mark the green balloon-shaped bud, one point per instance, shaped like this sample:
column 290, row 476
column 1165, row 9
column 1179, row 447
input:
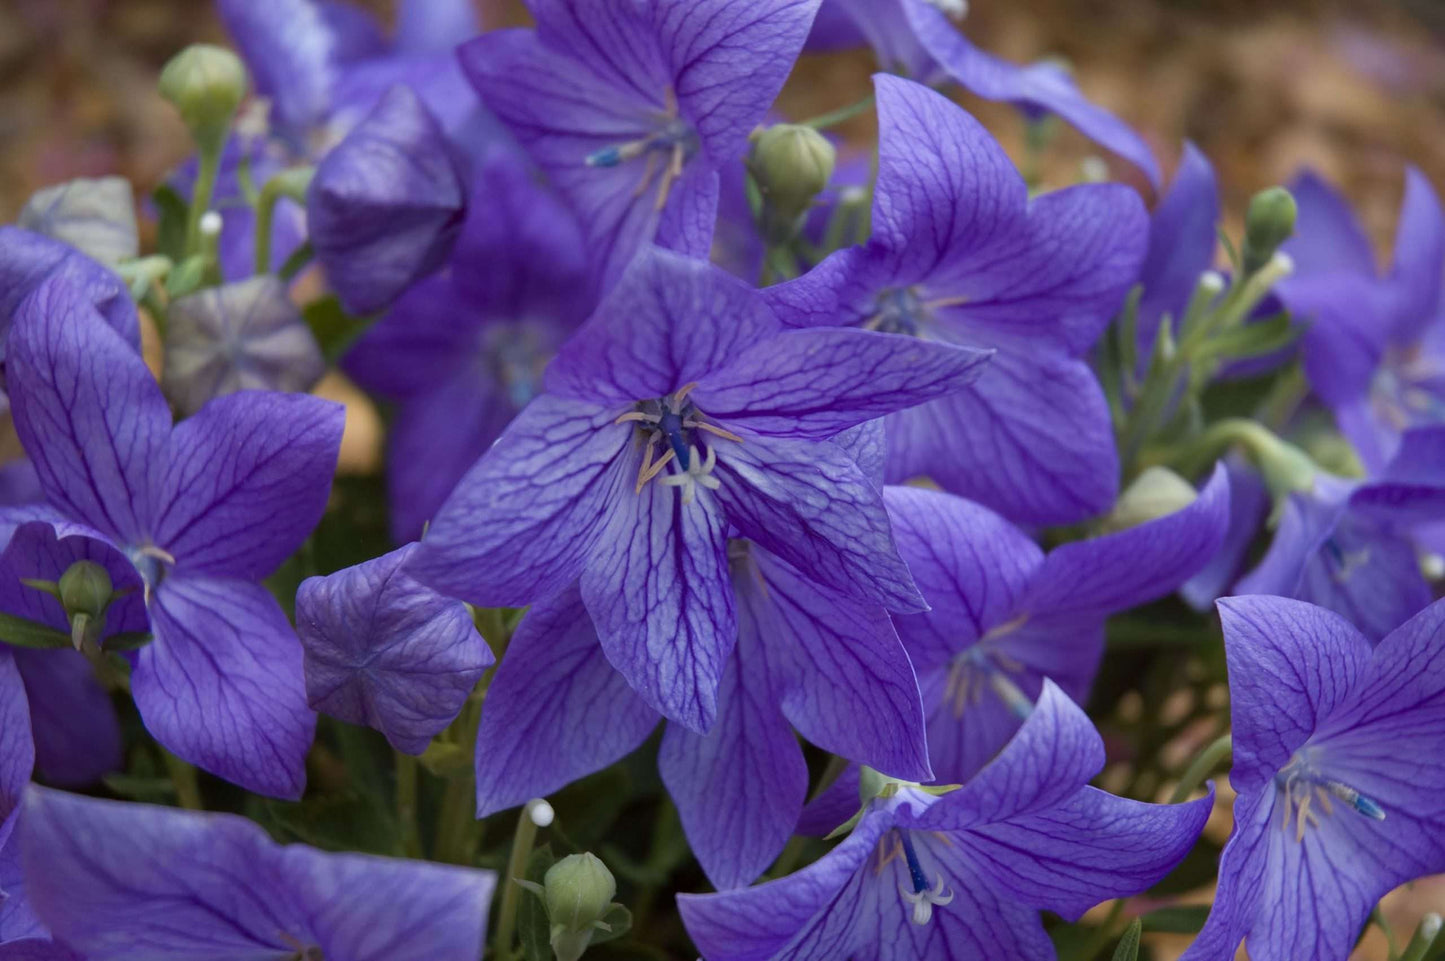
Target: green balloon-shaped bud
column 791, row 164
column 1268, row 224
column 578, row 892
column 1156, row 493
column 85, row 588
column 206, row 84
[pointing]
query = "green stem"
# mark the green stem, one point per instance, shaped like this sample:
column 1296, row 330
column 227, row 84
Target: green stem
column 790, row 857
column 1377, row 918
column 206, row 176
column 1201, row 767
column 1100, row 937
column 406, row 804
column 1285, row 467
column 841, row 115
column 183, row 776
column 296, row 262
column 1425, row 937
column 522, row 843
column 291, row 184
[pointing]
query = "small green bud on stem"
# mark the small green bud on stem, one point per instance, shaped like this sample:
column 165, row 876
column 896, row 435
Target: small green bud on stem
column 205, row 84
column 1268, row 224
column 1156, row 493
column 791, row 164
column 578, row 892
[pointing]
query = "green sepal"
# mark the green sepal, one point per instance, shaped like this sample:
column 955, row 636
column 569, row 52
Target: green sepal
column 173, row 211
column 128, row 641
column 614, row 924
column 532, row 925
column 333, row 328
column 22, row 632
column 1252, row 340
column 1128, row 949
column 49, row 587
column 187, row 277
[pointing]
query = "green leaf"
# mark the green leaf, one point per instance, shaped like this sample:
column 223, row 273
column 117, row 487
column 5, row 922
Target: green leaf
column 1128, row 949
column 618, row 920
column 128, row 640
column 1179, row 919
column 347, row 822
column 20, row 632
column 532, row 924
column 1254, row 339
column 173, row 211
column 447, row 760
column 138, row 788
column 187, row 277
column 333, row 328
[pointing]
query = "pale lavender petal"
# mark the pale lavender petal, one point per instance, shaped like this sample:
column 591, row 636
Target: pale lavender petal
column 658, row 589
column 1290, row 665
column 529, row 745
column 88, row 412
column 290, row 50
column 241, row 336
column 384, row 651
column 95, row 216
column 812, row 384
column 879, row 24
column 867, row 444
column 670, row 321
column 972, row 566
column 433, row 26
column 221, row 686
column 246, row 480
column 521, row 524
column 810, row 504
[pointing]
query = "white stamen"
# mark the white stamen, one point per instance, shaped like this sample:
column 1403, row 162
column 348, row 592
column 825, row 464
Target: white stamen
column 923, row 901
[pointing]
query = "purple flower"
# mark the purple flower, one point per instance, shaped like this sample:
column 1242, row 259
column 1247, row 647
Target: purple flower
column 682, row 410
column 1350, row 545
column 123, row 882
column 28, row 259
column 1183, row 233
column 201, row 511
column 1005, row 616
column 462, row 352
column 240, row 336
column 807, row 658
column 917, row 39
column 1375, row 347
column 96, row 217
column 961, row 255
column 632, row 107
column 964, row 874
column 384, row 651
column 386, row 204
column 1339, row 761
column 22, row 935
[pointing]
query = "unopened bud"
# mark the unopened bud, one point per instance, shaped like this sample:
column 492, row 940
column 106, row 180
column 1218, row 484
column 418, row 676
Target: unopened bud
column 1268, row 224
column 206, row 84
column 85, row 588
column 792, row 164
column 578, row 892
column 1156, row 493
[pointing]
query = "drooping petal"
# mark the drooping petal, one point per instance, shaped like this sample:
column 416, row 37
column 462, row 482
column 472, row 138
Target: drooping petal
column 738, row 788
column 971, row 565
column 945, row 187
column 1419, row 251
column 386, row 204
column 1290, row 665
column 831, row 806
column 433, row 26
column 385, row 651
column 77, row 734
column 556, row 709
column 658, row 589
column 1182, row 241
column 810, row 504
column 521, row 523
column 1248, row 504
column 221, row 686
column 1041, row 86
column 1242, row 869
column 810, row 914
column 135, row 881
column 411, row 908
column 95, row 216
column 88, row 412
column 839, row 671
column 1088, row 848
column 812, row 384
column 290, row 51
column 246, row 480
column 1054, row 754
column 1104, row 575
column 879, row 24
column 1345, row 341
column 242, row 336
column 867, row 444
column 17, row 749
column 669, row 322
column 1044, row 423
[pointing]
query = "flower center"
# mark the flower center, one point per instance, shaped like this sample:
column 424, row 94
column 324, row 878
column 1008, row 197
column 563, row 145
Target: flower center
column 1409, row 389
column 670, row 145
column 673, row 423
column 917, row 891
column 514, row 356
column 984, row 667
column 152, row 563
column 1343, row 563
column 1305, row 790
column 897, row 311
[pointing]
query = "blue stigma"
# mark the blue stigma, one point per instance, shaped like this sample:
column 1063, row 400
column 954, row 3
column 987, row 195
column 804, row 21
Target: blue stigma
column 670, row 425
column 606, row 157
column 915, row 870
column 1306, row 793
column 672, row 135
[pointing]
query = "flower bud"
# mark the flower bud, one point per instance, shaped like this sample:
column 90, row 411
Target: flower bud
column 85, row 588
column 205, row 84
column 1268, row 224
column 792, row 165
column 1156, row 493
column 578, row 892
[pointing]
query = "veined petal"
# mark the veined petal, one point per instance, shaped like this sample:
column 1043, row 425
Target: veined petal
column 670, row 321
column 657, row 587
column 245, row 481
column 385, row 651
column 810, row 504
column 221, row 684
column 522, row 522
column 1411, row 488
column 556, row 709
column 87, row 410
column 1182, row 241
column 971, row 565
column 17, row 749
column 812, row 384
column 1290, row 665
column 879, row 24
column 1242, row 870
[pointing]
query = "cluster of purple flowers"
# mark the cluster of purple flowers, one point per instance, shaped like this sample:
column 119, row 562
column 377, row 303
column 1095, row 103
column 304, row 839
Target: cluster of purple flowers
column 745, row 513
